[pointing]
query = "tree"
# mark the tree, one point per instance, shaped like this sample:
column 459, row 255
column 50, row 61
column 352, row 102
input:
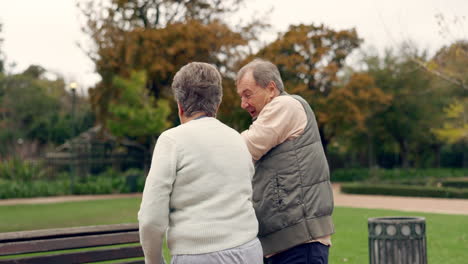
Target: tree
column 35, row 109
column 452, row 62
column 127, row 15
column 351, row 113
column 135, row 113
column 158, row 36
column 2, row 60
column 415, row 108
column 455, row 129
column 449, row 63
column 309, row 58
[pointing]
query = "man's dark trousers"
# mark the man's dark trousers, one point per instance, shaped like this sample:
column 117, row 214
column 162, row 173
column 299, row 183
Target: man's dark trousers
column 309, row 253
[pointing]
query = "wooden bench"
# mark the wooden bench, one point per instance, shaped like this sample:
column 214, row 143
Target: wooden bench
column 123, row 237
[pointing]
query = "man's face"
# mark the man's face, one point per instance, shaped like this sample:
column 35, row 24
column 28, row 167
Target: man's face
column 254, row 97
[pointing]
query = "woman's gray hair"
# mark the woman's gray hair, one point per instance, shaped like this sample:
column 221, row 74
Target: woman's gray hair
column 197, row 88
column 263, row 73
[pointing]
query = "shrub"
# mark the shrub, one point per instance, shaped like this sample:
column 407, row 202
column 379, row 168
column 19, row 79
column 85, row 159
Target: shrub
column 98, row 185
column 107, row 182
column 379, row 175
column 110, row 181
column 17, row 169
column 404, row 190
column 349, row 175
column 18, row 189
column 455, row 183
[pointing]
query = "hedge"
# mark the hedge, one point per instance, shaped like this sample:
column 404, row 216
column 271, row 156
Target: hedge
column 106, row 183
column 379, row 174
column 455, row 183
column 20, row 170
column 404, row 190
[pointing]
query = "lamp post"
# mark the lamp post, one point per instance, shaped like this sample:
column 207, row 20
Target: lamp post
column 73, row 87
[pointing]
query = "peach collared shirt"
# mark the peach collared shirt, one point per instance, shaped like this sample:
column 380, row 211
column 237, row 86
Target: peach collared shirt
column 284, row 118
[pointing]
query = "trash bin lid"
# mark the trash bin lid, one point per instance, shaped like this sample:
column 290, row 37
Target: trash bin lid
column 397, row 219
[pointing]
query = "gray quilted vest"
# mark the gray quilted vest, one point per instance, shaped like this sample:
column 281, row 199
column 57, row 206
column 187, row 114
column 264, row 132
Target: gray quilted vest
column 292, row 193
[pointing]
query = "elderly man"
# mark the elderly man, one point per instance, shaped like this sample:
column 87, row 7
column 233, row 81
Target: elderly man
column 199, row 185
column 292, row 193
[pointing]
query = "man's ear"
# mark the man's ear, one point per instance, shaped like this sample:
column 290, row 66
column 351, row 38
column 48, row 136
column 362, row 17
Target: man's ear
column 272, row 89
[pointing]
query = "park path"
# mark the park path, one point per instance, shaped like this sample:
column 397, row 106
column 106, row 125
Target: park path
column 413, row 204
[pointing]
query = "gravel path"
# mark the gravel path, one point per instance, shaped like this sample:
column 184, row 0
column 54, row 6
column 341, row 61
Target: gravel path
column 68, row 198
column 414, row 204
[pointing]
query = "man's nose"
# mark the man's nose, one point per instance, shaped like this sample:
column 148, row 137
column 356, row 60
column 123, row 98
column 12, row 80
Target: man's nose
column 244, row 104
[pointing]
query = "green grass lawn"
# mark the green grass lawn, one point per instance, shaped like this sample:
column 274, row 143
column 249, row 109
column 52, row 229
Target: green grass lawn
column 447, row 235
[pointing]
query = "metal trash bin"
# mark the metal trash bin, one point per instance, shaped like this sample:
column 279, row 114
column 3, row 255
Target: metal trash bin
column 397, row 240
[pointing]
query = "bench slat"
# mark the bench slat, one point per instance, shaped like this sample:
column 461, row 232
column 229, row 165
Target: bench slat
column 65, row 232
column 80, row 257
column 67, row 243
column 133, row 262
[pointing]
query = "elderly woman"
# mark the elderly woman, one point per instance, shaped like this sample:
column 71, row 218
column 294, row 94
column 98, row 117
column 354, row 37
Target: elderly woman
column 199, row 185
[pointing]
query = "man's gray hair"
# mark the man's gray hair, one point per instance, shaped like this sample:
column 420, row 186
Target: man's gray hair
column 263, row 73
column 197, row 88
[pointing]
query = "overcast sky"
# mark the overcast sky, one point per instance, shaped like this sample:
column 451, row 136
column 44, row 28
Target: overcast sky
column 46, row 32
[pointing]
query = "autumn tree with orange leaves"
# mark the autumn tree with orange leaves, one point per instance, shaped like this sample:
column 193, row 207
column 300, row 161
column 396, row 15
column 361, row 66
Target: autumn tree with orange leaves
column 309, row 58
column 159, row 37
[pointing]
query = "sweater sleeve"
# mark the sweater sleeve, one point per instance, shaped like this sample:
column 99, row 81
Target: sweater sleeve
column 282, row 119
column 153, row 216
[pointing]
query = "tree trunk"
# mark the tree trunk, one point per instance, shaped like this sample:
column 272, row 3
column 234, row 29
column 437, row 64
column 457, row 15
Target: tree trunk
column 325, row 141
column 404, row 154
column 370, row 150
column 465, row 160
column 436, row 149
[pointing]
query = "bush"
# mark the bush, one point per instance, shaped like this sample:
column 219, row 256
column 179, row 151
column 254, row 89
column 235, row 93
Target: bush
column 404, row 190
column 378, row 174
column 18, row 189
column 99, row 185
column 349, row 175
column 19, row 170
column 108, row 182
column 455, row 183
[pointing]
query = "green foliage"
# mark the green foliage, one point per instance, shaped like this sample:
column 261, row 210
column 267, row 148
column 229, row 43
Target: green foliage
column 28, row 105
column 136, row 113
column 449, row 68
column 416, row 106
column 404, row 190
column 37, row 110
column 38, row 188
column 455, row 127
column 455, row 183
column 108, row 182
column 18, row 170
column 395, row 175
